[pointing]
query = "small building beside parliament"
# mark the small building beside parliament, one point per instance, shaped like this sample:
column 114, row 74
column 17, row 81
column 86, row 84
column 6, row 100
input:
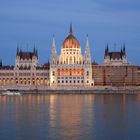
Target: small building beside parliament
column 69, row 69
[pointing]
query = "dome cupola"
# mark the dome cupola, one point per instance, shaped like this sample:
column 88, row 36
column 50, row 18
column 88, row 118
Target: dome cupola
column 71, row 41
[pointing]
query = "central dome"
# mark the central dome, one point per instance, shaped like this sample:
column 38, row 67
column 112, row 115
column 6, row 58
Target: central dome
column 71, row 41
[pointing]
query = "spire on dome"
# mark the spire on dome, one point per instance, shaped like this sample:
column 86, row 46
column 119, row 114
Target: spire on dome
column 71, row 32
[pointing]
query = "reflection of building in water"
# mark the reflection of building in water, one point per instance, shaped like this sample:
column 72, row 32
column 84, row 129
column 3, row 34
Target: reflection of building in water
column 52, row 110
column 71, row 116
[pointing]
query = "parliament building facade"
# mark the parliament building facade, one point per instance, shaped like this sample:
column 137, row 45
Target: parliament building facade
column 69, row 69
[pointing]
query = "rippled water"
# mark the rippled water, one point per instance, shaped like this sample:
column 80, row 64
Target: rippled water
column 70, row 117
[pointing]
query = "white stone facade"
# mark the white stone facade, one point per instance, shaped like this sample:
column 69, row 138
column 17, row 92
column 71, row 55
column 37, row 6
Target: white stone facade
column 115, row 58
column 71, row 68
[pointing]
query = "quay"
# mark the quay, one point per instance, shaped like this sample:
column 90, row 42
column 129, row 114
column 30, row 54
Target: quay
column 70, row 90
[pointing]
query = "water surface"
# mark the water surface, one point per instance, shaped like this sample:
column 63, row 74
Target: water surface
column 70, row 117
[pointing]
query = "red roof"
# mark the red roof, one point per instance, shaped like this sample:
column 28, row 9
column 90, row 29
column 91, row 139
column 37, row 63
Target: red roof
column 26, row 55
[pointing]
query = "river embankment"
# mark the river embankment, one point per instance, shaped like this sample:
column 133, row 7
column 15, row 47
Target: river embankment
column 78, row 90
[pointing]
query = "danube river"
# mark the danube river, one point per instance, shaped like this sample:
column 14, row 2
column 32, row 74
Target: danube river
column 70, row 117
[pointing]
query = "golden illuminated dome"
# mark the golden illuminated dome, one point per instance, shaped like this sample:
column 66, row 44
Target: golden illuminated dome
column 71, row 41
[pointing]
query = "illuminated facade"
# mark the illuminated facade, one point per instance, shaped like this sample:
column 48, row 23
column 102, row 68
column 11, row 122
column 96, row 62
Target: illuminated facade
column 71, row 68
column 26, row 73
column 115, row 58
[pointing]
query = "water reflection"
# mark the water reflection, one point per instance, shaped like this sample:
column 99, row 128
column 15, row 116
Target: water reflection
column 69, row 116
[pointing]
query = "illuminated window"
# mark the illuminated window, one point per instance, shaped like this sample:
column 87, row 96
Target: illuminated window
column 53, row 73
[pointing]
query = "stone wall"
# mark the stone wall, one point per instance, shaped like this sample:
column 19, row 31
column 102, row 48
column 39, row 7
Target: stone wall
column 138, row 76
column 115, row 75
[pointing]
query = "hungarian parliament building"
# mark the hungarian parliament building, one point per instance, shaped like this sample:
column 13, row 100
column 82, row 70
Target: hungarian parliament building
column 69, row 69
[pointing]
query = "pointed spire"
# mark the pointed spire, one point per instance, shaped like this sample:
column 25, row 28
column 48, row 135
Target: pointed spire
column 105, row 54
column 48, row 62
column 27, row 45
column 124, row 47
column 124, row 52
column 34, row 50
column 87, row 52
column 17, row 50
column 107, row 49
column 87, row 43
column 0, row 62
column 53, row 58
column 53, row 46
column 20, row 51
column 87, row 46
column 36, row 53
column 71, row 32
column 53, row 41
column 121, row 50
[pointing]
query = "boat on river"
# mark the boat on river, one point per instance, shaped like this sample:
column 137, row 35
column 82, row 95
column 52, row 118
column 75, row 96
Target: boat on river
column 11, row 92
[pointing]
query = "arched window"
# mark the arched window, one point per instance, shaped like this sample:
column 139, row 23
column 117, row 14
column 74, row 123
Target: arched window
column 53, row 73
column 74, row 60
column 70, row 60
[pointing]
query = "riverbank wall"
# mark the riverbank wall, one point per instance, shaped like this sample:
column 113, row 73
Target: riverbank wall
column 95, row 90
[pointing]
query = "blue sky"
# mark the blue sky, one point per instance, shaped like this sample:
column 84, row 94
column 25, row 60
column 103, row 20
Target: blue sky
column 29, row 22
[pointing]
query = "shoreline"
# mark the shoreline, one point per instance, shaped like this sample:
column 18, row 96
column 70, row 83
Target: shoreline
column 95, row 90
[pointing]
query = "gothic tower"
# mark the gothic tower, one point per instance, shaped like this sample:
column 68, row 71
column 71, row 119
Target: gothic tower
column 88, row 66
column 53, row 65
